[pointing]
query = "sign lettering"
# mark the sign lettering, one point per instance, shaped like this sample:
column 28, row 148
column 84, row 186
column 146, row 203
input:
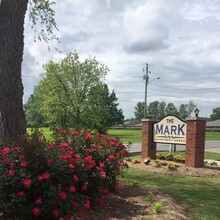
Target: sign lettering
column 170, row 130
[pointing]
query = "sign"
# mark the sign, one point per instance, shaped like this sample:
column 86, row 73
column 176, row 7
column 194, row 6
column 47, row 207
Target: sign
column 171, row 130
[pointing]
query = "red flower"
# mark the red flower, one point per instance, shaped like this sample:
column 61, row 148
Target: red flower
column 104, row 191
column 100, row 202
column 84, row 187
column 75, row 178
column 87, row 136
column 49, row 161
column 56, row 129
column 87, row 151
column 6, row 161
column 39, row 201
column 65, row 156
column 36, row 211
column 62, row 195
column 75, row 205
column 111, row 157
column 10, row 172
column 68, row 217
column 27, row 182
column 63, row 132
column 103, row 173
column 56, row 213
column 64, row 144
column 74, row 133
column 21, row 157
column 90, row 161
column 21, row 194
column 46, row 176
column 71, row 166
column 80, row 214
column 23, row 164
column 40, row 178
column 72, row 189
column 87, row 204
column 51, row 145
column 17, row 148
column 101, row 165
column 77, row 156
column 6, row 150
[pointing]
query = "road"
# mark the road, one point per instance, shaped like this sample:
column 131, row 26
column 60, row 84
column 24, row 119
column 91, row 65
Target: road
column 210, row 146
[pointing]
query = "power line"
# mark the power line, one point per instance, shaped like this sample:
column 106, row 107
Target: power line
column 215, row 88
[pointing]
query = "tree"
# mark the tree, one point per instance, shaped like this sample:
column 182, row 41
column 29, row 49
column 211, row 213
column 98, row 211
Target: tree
column 215, row 114
column 161, row 109
column 103, row 109
column 72, row 93
column 171, row 109
column 183, row 113
column 153, row 109
column 32, row 112
column 190, row 107
column 12, row 14
column 139, row 111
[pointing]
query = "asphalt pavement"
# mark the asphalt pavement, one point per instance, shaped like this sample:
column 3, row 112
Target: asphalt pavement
column 210, row 146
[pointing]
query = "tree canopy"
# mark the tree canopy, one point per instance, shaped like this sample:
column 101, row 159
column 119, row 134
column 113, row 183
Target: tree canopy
column 215, row 114
column 72, row 93
column 158, row 110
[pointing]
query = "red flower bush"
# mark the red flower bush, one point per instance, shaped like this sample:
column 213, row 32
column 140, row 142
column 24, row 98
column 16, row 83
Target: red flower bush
column 60, row 179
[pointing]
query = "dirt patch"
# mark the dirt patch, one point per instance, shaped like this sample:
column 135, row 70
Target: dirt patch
column 130, row 202
column 182, row 170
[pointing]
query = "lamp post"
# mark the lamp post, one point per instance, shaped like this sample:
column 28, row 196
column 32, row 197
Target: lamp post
column 196, row 111
column 146, row 78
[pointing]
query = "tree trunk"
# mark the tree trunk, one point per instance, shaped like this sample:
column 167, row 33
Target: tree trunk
column 12, row 118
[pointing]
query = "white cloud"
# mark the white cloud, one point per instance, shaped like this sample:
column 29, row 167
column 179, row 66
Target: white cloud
column 179, row 39
column 146, row 27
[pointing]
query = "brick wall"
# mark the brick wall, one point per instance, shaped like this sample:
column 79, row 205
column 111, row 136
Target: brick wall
column 148, row 147
column 195, row 142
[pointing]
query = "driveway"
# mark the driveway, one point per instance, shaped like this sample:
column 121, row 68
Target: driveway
column 210, row 146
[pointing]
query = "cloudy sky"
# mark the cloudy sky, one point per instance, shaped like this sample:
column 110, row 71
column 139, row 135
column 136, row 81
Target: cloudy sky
column 180, row 40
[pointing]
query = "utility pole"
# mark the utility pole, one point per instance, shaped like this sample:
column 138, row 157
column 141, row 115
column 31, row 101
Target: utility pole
column 146, row 77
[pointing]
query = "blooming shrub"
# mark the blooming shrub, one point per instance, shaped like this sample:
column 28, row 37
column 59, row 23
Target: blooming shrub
column 60, row 179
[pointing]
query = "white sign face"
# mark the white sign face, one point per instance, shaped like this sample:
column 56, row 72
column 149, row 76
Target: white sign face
column 170, row 130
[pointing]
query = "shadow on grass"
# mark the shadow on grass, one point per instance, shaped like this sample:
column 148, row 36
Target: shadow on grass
column 201, row 194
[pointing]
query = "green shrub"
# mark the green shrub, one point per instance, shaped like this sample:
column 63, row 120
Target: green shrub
column 60, row 179
column 157, row 208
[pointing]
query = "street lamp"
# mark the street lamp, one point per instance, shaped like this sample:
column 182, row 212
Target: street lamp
column 196, row 111
column 146, row 78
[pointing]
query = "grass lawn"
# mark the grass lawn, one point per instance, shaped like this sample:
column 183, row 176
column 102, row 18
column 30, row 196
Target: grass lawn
column 212, row 136
column 200, row 194
column 132, row 135
column 126, row 135
column 135, row 136
column 47, row 132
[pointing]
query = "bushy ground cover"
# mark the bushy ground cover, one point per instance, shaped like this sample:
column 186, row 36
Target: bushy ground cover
column 59, row 179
